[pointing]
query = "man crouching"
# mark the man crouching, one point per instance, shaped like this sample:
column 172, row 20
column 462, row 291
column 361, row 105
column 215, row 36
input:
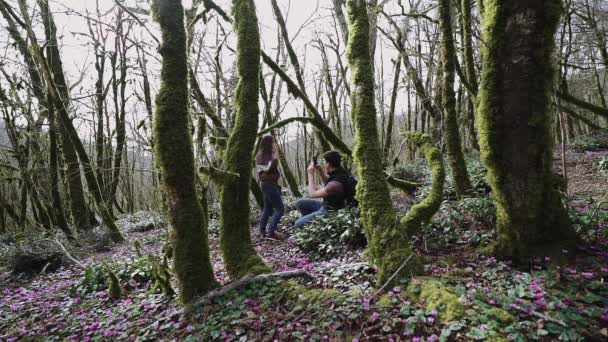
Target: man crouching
column 333, row 194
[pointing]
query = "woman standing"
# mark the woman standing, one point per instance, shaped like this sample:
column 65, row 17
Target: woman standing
column 267, row 168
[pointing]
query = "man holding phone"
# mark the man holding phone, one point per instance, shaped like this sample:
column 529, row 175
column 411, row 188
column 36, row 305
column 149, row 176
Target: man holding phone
column 332, row 193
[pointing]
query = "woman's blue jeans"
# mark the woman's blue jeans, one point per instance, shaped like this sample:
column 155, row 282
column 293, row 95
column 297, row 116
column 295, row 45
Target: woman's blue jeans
column 272, row 202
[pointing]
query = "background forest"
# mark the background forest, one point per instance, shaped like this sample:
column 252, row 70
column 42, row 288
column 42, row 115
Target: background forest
column 477, row 131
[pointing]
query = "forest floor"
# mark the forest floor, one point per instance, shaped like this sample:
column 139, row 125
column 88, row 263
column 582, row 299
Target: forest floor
column 462, row 295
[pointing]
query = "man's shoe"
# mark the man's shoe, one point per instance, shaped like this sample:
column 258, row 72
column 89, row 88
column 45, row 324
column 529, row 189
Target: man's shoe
column 275, row 237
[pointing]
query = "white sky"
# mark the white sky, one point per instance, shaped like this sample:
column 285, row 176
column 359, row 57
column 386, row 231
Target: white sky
column 77, row 53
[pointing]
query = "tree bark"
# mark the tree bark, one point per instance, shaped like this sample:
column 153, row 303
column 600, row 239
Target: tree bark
column 173, row 151
column 239, row 255
column 462, row 184
column 515, row 127
column 388, row 245
column 469, row 66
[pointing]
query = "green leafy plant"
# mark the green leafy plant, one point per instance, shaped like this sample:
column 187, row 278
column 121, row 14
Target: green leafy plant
column 133, row 271
column 332, row 234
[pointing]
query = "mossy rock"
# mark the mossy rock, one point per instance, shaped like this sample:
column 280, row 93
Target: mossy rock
column 301, row 293
column 438, row 296
column 385, row 301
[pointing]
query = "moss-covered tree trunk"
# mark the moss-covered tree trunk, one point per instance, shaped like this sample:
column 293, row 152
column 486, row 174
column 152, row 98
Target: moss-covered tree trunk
column 389, row 246
column 174, row 153
column 514, row 126
column 55, row 195
column 76, row 198
column 239, row 255
column 462, row 184
column 466, row 22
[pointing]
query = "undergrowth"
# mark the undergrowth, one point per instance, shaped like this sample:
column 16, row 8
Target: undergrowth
column 332, row 234
column 593, row 141
column 132, row 272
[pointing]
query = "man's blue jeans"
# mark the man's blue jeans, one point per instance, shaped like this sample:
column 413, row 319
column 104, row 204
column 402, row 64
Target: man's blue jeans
column 272, row 201
column 310, row 209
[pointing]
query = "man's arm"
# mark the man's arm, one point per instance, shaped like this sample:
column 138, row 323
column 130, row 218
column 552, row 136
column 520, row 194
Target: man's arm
column 312, row 187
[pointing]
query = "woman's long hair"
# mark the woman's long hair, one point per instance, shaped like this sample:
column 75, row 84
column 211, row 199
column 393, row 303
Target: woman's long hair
column 265, row 153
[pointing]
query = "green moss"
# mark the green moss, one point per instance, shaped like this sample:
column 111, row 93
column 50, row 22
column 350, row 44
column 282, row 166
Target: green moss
column 114, row 288
column 301, row 293
column 424, row 211
column 514, row 127
column 137, row 246
column 239, row 255
column 436, row 296
column 389, row 248
column 501, row 316
column 161, row 276
column 174, row 152
column 385, row 300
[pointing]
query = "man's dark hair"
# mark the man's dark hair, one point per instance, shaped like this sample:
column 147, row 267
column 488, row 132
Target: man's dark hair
column 333, row 158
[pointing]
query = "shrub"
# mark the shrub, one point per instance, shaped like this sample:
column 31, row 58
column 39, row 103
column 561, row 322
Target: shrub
column 141, row 221
column 590, row 220
column 469, row 220
column 332, row 234
column 594, row 141
column 414, row 171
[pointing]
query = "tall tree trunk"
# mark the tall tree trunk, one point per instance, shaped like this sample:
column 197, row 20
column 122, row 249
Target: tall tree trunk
column 120, row 85
column 79, row 210
column 469, row 65
column 462, row 184
column 391, row 115
column 389, row 247
column 240, row 257
column 55, row 195
column 515, row 127
column 175, row 156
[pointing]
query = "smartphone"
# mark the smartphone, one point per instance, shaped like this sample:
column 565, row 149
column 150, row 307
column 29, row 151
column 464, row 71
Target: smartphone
column 314, row 161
